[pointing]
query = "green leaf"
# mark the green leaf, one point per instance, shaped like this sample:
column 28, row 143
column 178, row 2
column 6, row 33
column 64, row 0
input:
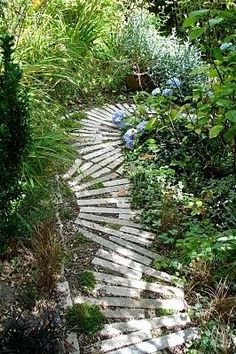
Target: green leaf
column 150, row 124
column 194, row 17
column 196, row 33
column 223, row 102
column 231, row 116
column 215, row 21
column 214, row 131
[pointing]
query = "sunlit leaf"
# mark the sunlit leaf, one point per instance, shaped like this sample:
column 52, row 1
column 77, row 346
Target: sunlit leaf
column 214, row 131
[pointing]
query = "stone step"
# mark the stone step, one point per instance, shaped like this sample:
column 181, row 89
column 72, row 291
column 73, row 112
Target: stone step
column 116, row 163
column 99, row 146
column 90, row 172
column 111, row 153
column 107, row 177
column 116, row 182
column 127, row 272
column 97, row 119
column 100, row 210
column 120, row 202
column 99, row 191
column 111, row 161
column 148, row 324
column 97, row 153
column 117, row 291
column 73, row 169
column 140, row 284
column 124, row 313
column 118, row 234
column 131, row 244
column 138, row 232
column 138, row 266
column 160, row 343
column 107, row 219
column 113, row 256
column 168, row 304
column 125, row 340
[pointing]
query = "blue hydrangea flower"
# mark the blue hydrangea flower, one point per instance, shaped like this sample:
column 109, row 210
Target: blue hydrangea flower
column 129, row 138
column 117, row 118
column 226, row 46
column 156, row 91
column 141, row 126
column 174, row 83
column 167, row 92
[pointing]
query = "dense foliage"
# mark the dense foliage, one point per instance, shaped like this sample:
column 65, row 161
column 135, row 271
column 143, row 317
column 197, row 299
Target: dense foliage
column 14, row 136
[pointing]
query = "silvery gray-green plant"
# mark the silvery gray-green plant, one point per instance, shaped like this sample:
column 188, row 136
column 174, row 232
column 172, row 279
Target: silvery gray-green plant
column 163, row 57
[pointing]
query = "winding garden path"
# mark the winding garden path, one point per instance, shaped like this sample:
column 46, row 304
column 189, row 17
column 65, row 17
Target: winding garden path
column 136, row 299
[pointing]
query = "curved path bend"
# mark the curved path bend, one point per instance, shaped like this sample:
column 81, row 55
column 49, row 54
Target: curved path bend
column 145, row 310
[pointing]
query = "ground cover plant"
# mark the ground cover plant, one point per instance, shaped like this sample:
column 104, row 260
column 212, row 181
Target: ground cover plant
column 181, row 154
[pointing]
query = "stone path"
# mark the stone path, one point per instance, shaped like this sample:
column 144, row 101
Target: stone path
column 145, row 309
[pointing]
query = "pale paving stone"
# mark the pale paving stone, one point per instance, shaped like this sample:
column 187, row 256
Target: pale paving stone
column 101, row 114
column 72, row 340
column 112, row 256
column 117, row 182
column 138, row 232
column 92, row 192
column 100, row 172
column 90, row 171
column 64, row 290
column 120, row 202
column 107, row 219
column 110, row 152
column 73, row 169
column 107, row 177
column 96, row 153
column 117, row 291
column 149, row 324
column 141, row 268
column 93, row 118
column 125, row 340
column 140, row 284
column 99, row 146
column 124, row 313
column 128, row 243
column 112, row 246
column 160, row 343
column 120, row 170
column 110, row 161
column 116, row 163
column 99, row 210
column 170, row 304
column 117, row 233
column 129, row 273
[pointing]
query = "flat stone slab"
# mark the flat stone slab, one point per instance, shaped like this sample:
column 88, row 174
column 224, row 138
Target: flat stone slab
column 160, row 343
column 168, row 304
column 99, row 191
column 147, row 324
column 73, row 169
column 116, row 182
column 129, row 273
column 120, row 202
column 113, row 246
column 116, row 258
column 116, row 233
column 124, row 313
column 140, row 284
column 133, row 245
column 107, row 177
column 125, row 340
column 106, row 219
column 113, row 257
column 117, row 291
column 100, row 210
column 138, row 232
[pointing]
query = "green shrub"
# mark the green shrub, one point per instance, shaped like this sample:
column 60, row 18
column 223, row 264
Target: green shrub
column 87, row 280
column 163, row 57
column 85, row 318
column 14, row 135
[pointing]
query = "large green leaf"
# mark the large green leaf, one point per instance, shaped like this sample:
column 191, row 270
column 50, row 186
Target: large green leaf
column 214, row 131
column 231, row 116
column 215, row 21
column 194, row 17
column 196, row 33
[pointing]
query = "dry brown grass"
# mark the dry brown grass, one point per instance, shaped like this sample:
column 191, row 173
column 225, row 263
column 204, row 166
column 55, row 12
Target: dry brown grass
column 48, row 255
